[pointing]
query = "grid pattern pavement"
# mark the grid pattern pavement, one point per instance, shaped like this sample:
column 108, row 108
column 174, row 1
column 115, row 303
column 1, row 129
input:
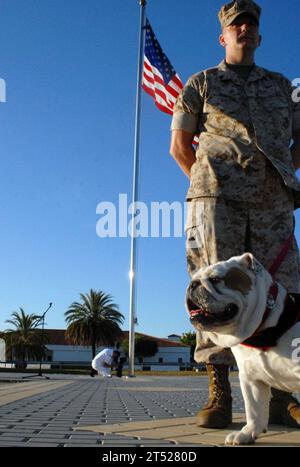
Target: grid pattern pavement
column 49, row 418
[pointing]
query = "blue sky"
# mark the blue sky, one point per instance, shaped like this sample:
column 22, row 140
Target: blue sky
column 66, row 138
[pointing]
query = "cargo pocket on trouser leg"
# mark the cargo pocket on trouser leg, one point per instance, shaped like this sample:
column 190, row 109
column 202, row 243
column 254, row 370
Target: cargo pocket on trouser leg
column 193, row 250
column 195, row 237
column 198, row 255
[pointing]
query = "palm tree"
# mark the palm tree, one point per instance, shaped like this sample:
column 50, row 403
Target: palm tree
column 94, row 321
column 23, row 342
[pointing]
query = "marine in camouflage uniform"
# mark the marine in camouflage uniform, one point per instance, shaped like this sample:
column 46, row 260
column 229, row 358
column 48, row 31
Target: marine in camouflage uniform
column 243, row 184
column 243, row 187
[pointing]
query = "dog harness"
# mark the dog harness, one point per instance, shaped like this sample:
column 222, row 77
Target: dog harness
column 268, row 338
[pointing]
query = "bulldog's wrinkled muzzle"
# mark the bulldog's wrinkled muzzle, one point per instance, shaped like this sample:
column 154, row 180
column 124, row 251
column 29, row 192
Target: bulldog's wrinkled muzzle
column 201, row 309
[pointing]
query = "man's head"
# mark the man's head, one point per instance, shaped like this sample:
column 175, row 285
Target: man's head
column 240, row 27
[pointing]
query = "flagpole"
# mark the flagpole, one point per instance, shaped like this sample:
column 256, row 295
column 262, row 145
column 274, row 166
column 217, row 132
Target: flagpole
column 143, row 4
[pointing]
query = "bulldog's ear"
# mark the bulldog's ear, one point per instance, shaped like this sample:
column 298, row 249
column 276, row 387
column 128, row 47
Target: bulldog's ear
column 248, row 261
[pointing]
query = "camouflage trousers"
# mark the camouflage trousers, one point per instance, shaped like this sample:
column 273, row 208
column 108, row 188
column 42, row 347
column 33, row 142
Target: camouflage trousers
column 217, row 229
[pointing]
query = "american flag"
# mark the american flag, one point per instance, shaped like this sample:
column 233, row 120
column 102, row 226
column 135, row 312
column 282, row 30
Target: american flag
column 160, row 80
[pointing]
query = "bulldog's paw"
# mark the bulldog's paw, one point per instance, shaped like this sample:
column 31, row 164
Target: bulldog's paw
column 240, row 438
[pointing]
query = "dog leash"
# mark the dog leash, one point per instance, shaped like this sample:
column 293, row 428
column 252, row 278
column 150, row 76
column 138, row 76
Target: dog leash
column 267, row 338
column 273, row 292
column 280, row 258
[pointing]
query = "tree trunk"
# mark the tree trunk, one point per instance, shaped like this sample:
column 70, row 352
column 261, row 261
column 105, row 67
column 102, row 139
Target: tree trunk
column 93, row 349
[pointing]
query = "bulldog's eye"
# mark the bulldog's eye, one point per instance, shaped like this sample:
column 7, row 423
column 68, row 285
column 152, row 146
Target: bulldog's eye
column 194, row 284
column 215, row 280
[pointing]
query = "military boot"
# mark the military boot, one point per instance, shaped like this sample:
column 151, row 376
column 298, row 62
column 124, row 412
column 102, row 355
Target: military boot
column 217, row 413
column 284, row 409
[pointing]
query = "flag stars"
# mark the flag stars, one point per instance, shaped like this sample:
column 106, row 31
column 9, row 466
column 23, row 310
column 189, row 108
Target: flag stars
column 160, row 69
column 156, row 56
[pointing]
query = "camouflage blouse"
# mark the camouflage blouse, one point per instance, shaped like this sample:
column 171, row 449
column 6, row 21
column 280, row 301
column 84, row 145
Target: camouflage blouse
column 244, row 127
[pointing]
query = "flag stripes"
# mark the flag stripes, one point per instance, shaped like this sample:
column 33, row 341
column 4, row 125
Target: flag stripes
column 160, row 80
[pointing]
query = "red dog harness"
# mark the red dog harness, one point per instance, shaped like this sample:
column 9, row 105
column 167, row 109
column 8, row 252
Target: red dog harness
column 290, row 315
column 269, row 337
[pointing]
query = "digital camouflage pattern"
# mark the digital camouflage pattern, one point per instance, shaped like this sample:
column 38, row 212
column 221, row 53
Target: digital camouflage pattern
column 218, row 229
column 232, row 10
column 243, row 186
column 242, row 126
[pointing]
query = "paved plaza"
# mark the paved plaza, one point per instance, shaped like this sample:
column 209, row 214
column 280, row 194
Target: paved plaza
column 146, row 411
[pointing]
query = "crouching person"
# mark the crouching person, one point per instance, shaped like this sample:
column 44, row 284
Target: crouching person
column 103, row 361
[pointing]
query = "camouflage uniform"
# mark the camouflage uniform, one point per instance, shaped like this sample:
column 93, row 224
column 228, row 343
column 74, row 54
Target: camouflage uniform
column 243, row 188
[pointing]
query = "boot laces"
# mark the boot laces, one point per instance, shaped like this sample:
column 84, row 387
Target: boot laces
column 217, row 389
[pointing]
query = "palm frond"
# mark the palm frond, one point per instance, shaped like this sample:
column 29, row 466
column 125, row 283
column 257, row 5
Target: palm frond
column 94, row 321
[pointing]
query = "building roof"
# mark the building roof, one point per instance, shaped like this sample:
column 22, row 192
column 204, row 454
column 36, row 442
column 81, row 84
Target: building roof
column 58, row 337
column 160, row 342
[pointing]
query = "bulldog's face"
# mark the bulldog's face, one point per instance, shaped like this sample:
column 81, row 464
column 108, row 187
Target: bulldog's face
column 218, row 294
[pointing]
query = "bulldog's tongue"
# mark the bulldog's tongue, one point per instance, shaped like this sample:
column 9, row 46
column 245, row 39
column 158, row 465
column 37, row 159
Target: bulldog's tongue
column 194, row 313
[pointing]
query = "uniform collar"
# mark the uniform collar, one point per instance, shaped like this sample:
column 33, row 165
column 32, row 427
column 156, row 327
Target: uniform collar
column 228, row 75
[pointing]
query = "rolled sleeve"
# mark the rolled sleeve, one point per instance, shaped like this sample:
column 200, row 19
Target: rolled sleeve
column 188, row 108
column 184, row 121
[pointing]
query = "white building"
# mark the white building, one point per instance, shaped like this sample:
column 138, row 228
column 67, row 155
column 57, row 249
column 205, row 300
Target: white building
column 2, row 351
column 174, row 338
column 170, row 355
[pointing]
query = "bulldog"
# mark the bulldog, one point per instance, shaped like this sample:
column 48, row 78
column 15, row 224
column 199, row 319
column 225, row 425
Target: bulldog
column 236, row 304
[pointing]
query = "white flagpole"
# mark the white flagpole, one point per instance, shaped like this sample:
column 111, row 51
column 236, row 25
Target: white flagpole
column 143, row 4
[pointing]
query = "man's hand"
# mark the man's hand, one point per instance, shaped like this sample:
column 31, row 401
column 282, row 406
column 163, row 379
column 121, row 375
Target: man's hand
column 296, row 150
column 182, row 150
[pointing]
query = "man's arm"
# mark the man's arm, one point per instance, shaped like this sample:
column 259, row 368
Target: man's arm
column 106, row 365
column 183, row 152
column 296, row 150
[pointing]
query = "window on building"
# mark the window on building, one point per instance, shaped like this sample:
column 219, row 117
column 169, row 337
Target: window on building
column 180, row 360
column 160, row 360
